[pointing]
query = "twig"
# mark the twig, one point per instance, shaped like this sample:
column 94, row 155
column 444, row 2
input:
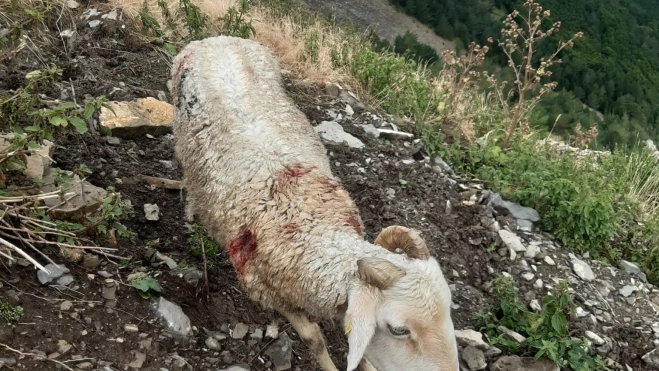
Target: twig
column 206, row 285
column 26, row 256
column 36, row 356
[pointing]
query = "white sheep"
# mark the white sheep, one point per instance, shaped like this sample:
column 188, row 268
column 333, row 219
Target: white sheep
column 259, row 180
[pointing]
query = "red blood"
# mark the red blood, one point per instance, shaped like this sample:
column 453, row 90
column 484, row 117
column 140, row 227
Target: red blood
column 291, row 228
column 242, row 249
column 289, row 174
column 177, row 76
column 354, row 223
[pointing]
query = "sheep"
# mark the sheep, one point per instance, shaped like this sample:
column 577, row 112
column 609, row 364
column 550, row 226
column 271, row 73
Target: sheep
column 259, row 180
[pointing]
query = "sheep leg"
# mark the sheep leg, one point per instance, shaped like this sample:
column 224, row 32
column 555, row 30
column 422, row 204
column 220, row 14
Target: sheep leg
column 312, row 336
column 365, row 365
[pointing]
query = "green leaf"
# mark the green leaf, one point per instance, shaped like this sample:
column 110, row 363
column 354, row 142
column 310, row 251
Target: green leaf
column 559, row 323
column 89, row 111
column 144, row 284
column 79, row 124
column 32, row 128
column 58, row 121
column 101, row 228
column 67, row 105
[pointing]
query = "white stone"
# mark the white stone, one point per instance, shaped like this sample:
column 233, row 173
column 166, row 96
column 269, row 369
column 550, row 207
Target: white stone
column 471, row 338
column 596, row 339
column 582, row 270
column 549, row 260
column 512, row 241
column 332, row 132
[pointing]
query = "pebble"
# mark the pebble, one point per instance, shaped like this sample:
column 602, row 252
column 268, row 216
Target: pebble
column 212, row 344
column 66, row 305
column 239, row 331
column 131, row 328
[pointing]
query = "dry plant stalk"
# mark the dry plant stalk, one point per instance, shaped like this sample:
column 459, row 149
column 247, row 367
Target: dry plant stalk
column 18, row 224
column 519, row 44
column 582, row 139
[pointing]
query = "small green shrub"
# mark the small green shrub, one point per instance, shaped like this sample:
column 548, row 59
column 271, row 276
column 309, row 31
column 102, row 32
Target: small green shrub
column 546, row 332
column 201, row 241
column 234, row 23
column 10, row 313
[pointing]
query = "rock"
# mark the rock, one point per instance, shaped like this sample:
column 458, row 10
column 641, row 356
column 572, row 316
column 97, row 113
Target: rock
column 151, row 212
column 471, row 338
column 171, row 263
column 37, row 162
column 524, row 225
column 371, row 130
column 652, row 358
column 512, row 241
column 492, row 352
column 192, row 275
column 9, row 362
column 395, row 135
column 510, row 208
column 596, row 339
column 538, row 284
column 333, row 89
column 511, row 334
column 63, row 347
column 88, row 198
column 90, row 261
column 137, row 118
column 549, row 260
column 332, row 133
column 532, row 251
column 239, row 331
column 443, row 165
column 280, row 352
column 627, row 290
column 351, row 99
column 235, row 368
column 528, row 276
column 474, row 358
column 257, row 334
column 65, row 280
column 138, row 360
column 582, row 269
column 172, row 316
column 85, row 366
column 131, row 328
column 113, row 141
column 630, row 267
column 212, row 344
column 515, row 363
column 66, row 305
column 535, row 305
column 56, row 271
column 349, row 110
column 272, row 331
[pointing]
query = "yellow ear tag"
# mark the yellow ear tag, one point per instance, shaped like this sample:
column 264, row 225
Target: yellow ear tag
column 348, row 326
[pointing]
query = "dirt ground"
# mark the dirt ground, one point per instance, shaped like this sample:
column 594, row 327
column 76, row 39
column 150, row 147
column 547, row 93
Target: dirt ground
column 116, row 63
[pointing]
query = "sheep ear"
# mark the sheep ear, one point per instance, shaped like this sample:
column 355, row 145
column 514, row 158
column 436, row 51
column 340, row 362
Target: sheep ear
column 359, row 324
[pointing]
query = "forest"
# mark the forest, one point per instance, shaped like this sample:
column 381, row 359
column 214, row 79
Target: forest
column 610, row 76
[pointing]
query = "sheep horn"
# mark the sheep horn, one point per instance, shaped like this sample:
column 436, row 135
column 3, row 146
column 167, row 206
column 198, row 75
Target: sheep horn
column 406, row 239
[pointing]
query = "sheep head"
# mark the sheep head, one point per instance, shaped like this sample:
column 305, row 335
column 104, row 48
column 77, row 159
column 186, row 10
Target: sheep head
column 399, row 313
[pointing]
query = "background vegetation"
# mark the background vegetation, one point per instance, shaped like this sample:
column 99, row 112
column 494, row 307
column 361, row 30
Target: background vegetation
column 614, row 68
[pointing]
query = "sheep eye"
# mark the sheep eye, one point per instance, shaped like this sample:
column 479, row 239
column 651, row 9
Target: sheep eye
column 398, row 331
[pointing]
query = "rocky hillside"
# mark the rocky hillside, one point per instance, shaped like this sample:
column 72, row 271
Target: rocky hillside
column 143, row 297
